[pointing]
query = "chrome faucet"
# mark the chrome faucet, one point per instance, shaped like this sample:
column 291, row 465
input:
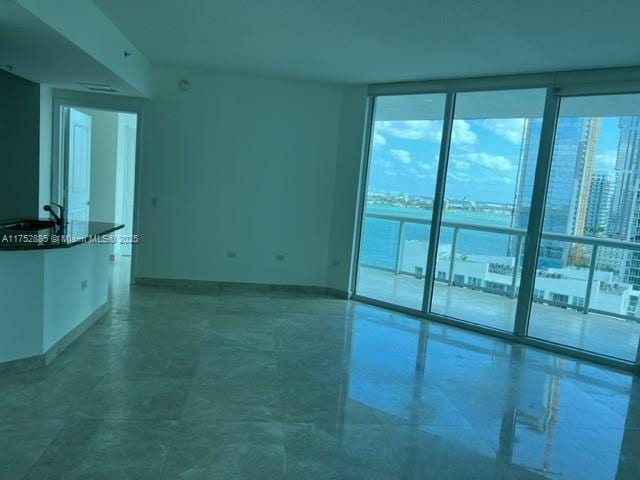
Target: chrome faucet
column 60, row 218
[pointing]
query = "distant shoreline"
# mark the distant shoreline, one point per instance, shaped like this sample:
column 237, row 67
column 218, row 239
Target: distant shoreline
column 494, row 210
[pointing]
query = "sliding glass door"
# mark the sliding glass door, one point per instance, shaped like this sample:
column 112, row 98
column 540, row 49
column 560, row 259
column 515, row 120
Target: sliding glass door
column 525, row 219
column 486, row 205
column 405, row 144
column 587, row 281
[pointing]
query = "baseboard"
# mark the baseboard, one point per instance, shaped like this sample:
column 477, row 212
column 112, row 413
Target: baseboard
column 21, row 365
column 334, row 292
column 39, row 361
column 211, row 286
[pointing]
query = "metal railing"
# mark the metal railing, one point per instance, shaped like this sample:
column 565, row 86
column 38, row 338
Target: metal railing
column 594, row 242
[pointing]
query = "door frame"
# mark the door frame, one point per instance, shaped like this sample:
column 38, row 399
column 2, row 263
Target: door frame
column 111, row 103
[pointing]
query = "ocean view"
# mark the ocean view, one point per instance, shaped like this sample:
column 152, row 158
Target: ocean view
column 380, row 236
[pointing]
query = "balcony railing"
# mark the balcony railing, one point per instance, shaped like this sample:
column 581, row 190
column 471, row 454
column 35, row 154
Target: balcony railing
column 595, row 243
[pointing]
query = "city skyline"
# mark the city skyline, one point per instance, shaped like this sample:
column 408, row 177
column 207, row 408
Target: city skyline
column 482, row 166
column 593, row 187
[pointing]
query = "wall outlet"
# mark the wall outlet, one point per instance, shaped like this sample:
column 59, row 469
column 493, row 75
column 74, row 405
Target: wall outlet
column 335, row 262
column 154, row 202
column 231, row 255
column 83, row 285
column 280, row 258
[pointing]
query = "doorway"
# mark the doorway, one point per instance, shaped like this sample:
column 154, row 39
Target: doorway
column 96, row 181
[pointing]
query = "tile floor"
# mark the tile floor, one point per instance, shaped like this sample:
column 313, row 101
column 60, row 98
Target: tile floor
column 244, row 384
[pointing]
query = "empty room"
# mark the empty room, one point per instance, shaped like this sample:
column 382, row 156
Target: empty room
column 357, row 239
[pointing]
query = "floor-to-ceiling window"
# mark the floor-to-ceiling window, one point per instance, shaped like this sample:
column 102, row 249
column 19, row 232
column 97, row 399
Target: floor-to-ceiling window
column 404, row 151
column 486, row 206
column 586, row 283
column 536, row 230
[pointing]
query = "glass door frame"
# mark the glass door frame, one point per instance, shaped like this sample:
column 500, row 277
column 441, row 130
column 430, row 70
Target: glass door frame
column 558, row 86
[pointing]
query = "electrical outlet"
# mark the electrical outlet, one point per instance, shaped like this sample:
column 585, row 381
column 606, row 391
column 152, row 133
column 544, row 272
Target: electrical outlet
column 231, row 255
column 154, row 202
column 83, row 285
column 335, row 262
column 280, row 258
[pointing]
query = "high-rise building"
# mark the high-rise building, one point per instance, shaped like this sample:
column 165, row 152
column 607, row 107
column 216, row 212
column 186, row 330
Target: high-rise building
column 628, row 173
column 601, row 190
column 568, row 191
column 625, row 218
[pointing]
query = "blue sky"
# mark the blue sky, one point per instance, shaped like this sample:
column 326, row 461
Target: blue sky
column 483, row 160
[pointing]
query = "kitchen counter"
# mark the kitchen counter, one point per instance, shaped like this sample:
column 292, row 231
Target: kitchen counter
column 50, row 293
column 74, row 233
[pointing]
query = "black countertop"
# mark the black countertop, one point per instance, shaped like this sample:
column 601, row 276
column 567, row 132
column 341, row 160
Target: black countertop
column 73, row 233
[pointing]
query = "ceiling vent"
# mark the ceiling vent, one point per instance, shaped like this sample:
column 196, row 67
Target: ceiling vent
column 98, row 87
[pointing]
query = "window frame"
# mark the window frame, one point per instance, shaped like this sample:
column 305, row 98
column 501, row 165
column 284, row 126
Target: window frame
column 558, row 85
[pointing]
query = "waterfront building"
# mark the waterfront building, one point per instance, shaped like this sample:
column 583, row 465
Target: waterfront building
column 565, row 286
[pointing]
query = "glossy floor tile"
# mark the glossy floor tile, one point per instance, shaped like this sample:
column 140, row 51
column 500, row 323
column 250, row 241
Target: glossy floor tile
column 248, row 384
column 227, row 450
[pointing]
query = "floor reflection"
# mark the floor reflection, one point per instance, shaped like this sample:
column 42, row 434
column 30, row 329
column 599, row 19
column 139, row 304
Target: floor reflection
column 459, row 403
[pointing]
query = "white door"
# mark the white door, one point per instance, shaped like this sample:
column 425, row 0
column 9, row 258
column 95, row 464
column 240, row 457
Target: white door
column 78, row 166
column 128, row 184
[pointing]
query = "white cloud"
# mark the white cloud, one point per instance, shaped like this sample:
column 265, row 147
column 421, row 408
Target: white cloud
column 460, row 164
column 412, row 129
column 378, row 140
column 460, row 177
column 403, row 156
column 494, row 162
column 381, row 162
column 508, row 128
column 428, row 130
column 496, row 179
column 425, row 166
column 461, row 133
column 606, row 160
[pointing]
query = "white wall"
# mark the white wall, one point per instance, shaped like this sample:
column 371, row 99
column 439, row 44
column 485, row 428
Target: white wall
column 125, row 180
column 104, row 140
column 252, row 165
column 66, row 302
column 345, row 195
column 21, row 300
column 42, row 295
column 237, row 164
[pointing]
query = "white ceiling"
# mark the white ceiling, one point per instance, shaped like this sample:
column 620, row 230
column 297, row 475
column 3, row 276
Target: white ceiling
column 33, row 50
column 372, row 41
